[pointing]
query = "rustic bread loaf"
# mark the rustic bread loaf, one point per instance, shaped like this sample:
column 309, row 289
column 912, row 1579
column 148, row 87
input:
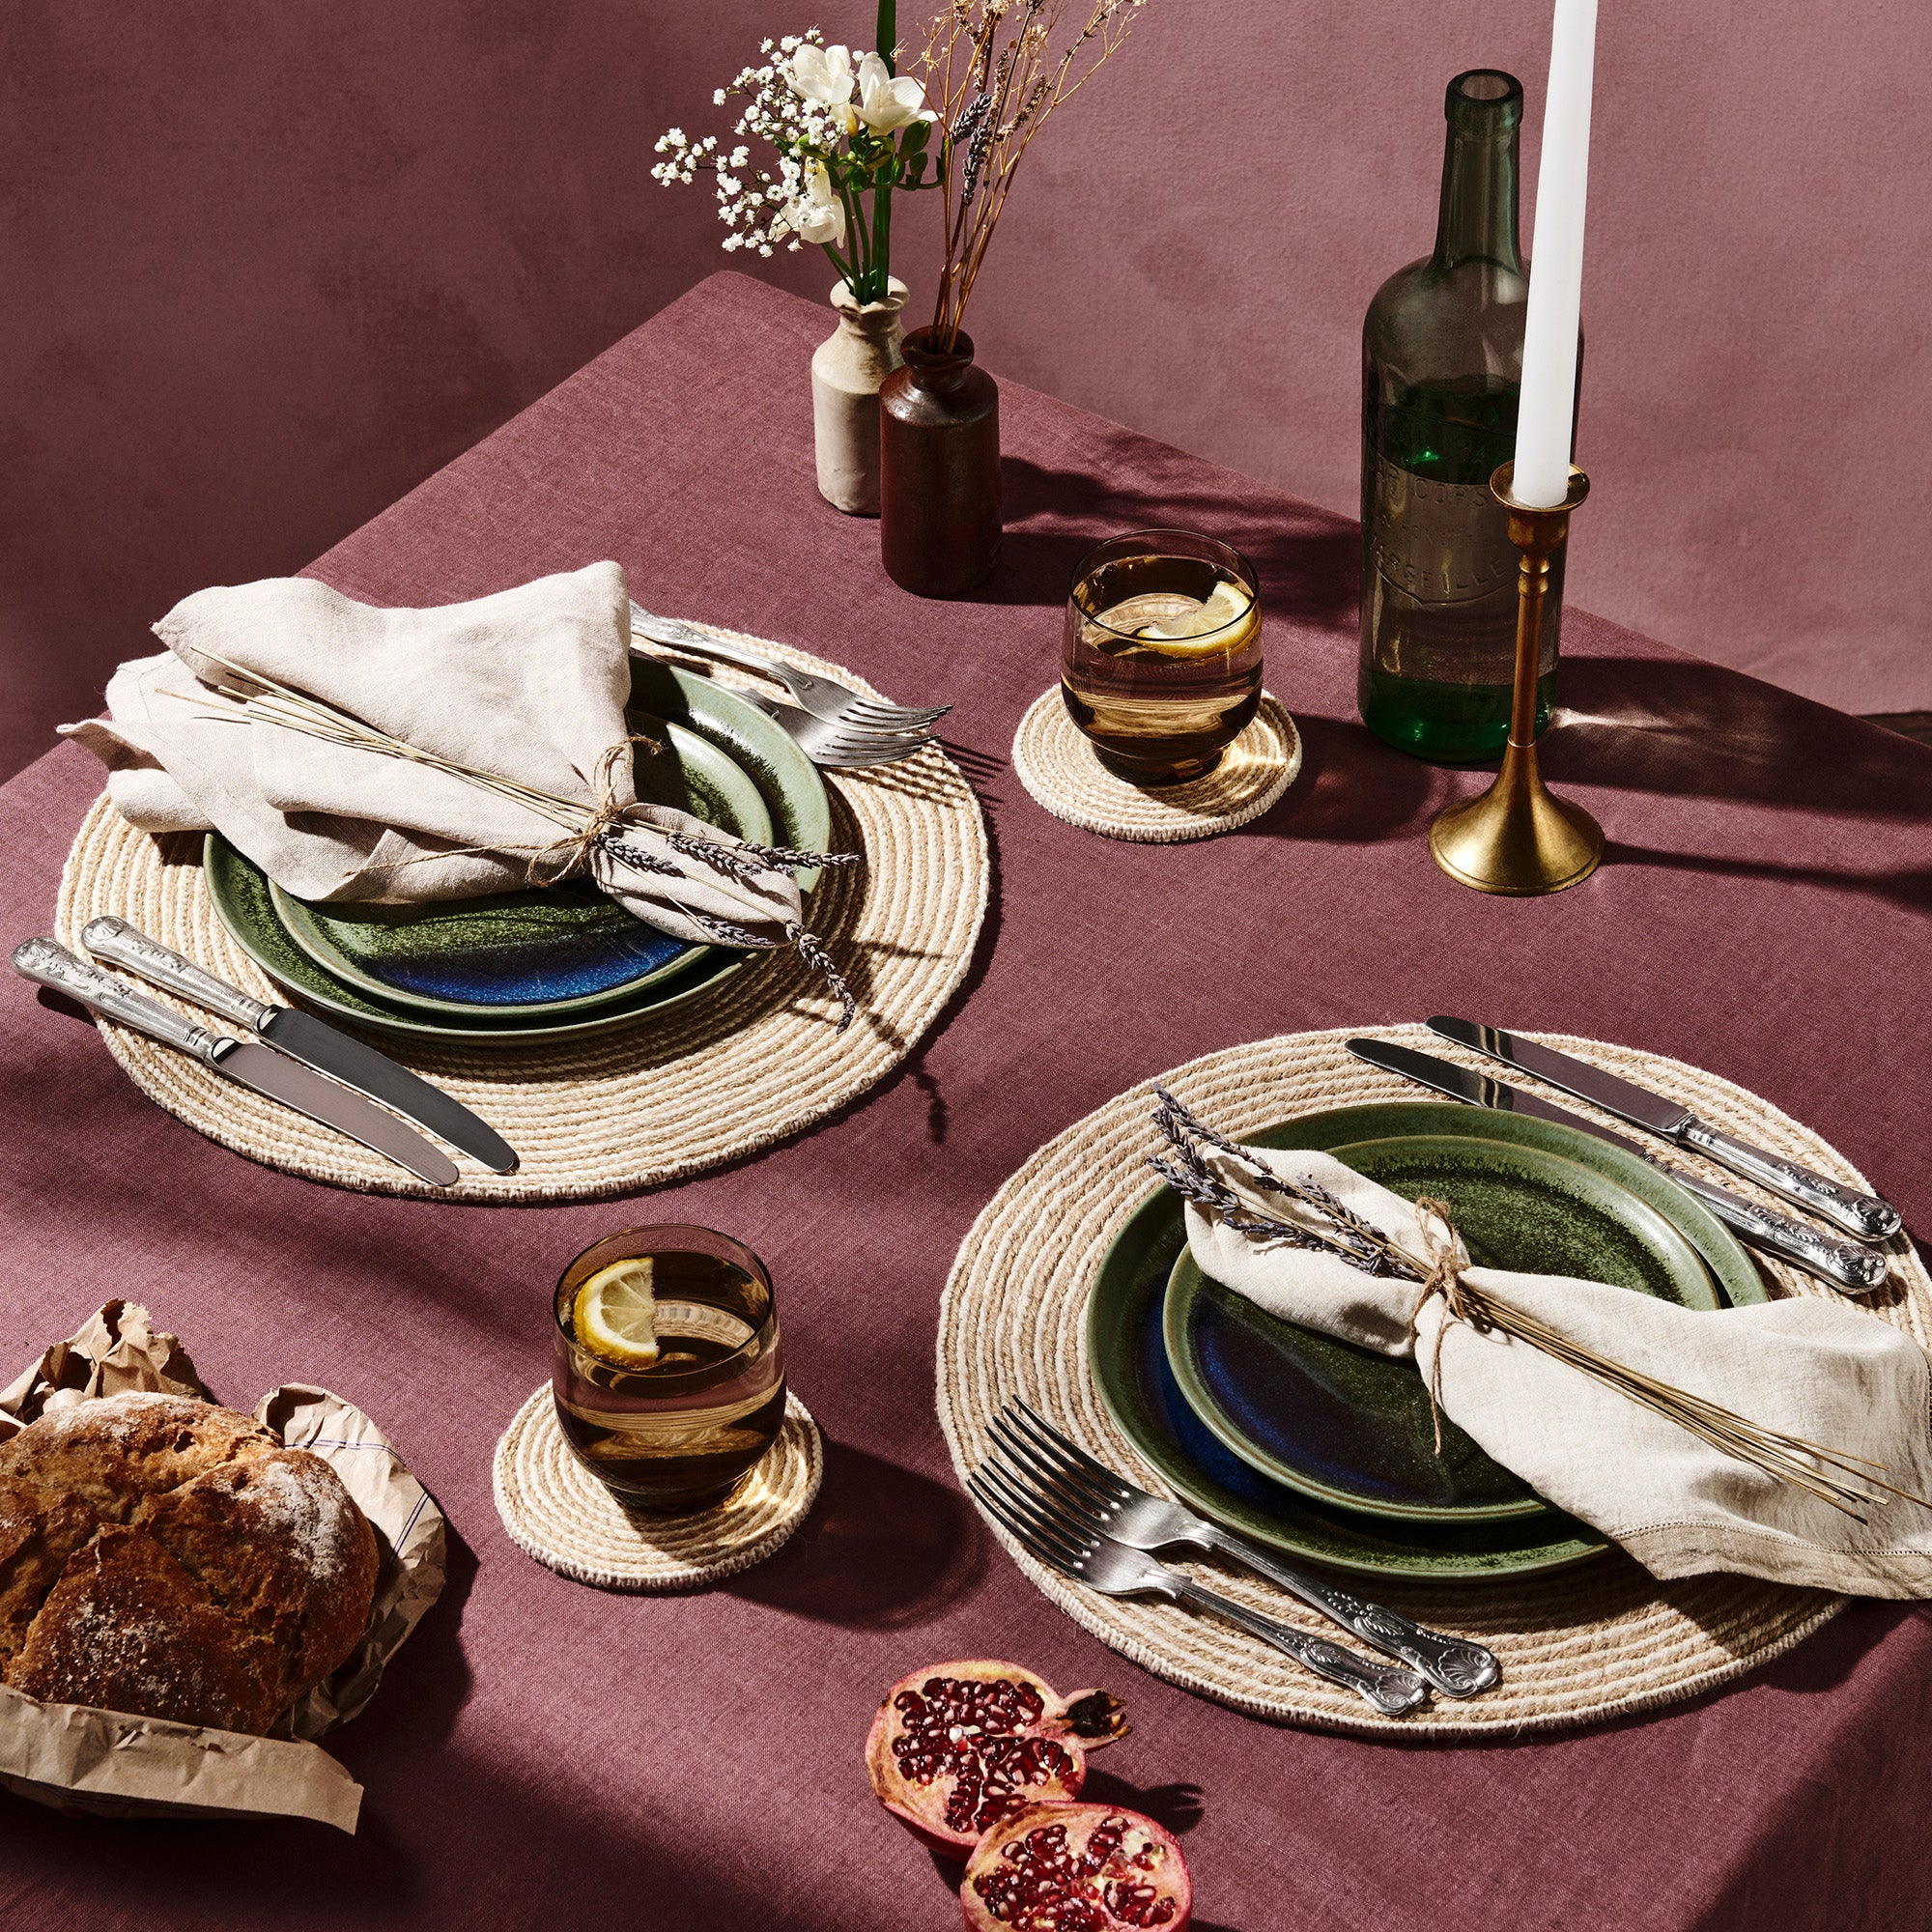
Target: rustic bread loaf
column 127, row 1628
column 112, row 1452
column 167, row 1557
column 40, row 1529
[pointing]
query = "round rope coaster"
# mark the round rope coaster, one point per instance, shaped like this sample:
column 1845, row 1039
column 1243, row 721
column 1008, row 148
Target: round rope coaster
column 1057, row 766
column 558, row 1513
column 1598, row 1641
column 754, row 1062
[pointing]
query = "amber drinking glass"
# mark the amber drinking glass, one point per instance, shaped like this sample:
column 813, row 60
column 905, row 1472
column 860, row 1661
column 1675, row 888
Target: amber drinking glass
column 669, row 1377
column 1161, row 665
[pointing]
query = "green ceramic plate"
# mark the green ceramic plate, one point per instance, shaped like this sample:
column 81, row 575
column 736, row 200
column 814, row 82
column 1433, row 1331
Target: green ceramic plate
column 794, row 796
column 1126, row 1350
column 525, row 954
column 1350, row 1426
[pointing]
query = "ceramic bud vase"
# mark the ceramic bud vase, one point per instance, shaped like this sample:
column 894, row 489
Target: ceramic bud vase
column 847, row 370
column 939, row 469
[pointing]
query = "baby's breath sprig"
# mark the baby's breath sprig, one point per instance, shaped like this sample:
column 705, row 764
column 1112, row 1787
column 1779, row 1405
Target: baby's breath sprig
column 845, row 130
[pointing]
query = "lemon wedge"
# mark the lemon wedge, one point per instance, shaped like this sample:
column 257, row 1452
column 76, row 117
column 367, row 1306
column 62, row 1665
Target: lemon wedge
column 1202, row 629
column 615, row 1314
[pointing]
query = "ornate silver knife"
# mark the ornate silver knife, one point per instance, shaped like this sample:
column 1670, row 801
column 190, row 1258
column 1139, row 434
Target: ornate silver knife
column 1848, row 1266
column 1863, row 1216
column 306, row 1038
column 256, row 1066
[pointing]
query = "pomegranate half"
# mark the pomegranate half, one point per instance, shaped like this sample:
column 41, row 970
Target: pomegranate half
column 1076, row 1868
column 959, row 1746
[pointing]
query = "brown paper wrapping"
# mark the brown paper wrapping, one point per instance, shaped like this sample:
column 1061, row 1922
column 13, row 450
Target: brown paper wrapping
column 78, row 1759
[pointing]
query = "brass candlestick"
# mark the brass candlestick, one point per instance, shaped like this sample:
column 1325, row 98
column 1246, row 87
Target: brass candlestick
column 1518, row 838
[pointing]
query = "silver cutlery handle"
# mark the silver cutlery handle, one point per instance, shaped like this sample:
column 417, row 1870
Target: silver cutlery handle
column 50, row 965
column 681, row 637
column 1390, row 1690
column 1849, row 1266
column 115, row 940
column 1454, row 1664
column 1864, row 1215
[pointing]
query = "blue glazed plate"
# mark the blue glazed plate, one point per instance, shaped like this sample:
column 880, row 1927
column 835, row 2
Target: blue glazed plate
column 1350, row 1426
column 565, row 950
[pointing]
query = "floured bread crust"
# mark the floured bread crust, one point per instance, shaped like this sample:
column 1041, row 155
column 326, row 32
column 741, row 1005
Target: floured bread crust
column 169, row 1557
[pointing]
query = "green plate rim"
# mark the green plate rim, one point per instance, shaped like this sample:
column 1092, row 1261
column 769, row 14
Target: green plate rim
column 1186, row 1280
column 793, row 791
column 302, row 920
column 1340, row 1540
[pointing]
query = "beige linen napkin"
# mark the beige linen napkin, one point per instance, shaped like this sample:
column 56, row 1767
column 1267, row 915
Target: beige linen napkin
column 1819, row 1369
column 529, row 684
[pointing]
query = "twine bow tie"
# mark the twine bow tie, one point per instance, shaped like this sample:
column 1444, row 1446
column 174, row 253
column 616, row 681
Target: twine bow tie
column 1442, row 1274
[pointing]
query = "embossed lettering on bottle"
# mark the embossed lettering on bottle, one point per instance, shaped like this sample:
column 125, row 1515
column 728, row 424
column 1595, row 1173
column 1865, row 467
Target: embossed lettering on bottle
column 1441, row 543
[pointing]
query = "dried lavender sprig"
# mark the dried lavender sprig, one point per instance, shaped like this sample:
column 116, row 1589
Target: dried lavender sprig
column 729, row 932
column 1359, row 1243
column 634, row 856
column 975, row 112
column 807, row 944
column 975, row 161
column 1367, row 1243
column 745, row 862
column 1366, row 1240
column 791, row 855
column 819, row 960
column 1206, row 1192
column 733, row 864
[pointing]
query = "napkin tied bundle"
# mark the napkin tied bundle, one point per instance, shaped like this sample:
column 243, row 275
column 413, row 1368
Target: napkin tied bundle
column 1814, row 1369
column 529, row 686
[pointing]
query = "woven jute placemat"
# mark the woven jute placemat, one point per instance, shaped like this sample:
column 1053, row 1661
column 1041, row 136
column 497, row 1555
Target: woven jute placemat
column 1602, row 1640
column 1057, row 765
column 752, row 1062
column 558, row 1513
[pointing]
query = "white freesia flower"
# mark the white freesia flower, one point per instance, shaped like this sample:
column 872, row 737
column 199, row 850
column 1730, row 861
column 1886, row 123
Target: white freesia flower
column 886, row 104
column 823, row 74
column 817, row 216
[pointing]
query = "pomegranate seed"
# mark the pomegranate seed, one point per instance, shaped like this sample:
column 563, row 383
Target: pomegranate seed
column 1044, row 1885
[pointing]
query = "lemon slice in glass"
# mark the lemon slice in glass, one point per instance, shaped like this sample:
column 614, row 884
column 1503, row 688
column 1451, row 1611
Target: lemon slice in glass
column 615, row 1314
column 1203, row 629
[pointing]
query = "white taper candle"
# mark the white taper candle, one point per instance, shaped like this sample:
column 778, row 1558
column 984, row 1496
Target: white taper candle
column 1543, row 416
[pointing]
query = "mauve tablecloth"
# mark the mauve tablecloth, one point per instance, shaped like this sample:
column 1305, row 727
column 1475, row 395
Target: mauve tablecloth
column 545, row 1754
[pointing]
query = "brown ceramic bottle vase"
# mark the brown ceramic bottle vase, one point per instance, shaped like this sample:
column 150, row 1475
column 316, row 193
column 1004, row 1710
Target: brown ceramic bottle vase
column 939, row 469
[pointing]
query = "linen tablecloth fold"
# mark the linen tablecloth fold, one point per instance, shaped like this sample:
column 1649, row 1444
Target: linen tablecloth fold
column 530, row 685
column 1819, row 1370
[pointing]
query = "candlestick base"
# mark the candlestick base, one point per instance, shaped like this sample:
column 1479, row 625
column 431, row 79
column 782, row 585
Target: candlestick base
column 1517, row 838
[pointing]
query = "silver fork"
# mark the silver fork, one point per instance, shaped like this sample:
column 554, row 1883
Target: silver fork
column 1088, row 1491
column 839, row 747
column 823, row 696
column 1116, row 1571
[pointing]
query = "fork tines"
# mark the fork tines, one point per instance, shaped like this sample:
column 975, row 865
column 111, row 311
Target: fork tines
column 1023, row 1432
column 1058, row 1548
column 1054, row 1497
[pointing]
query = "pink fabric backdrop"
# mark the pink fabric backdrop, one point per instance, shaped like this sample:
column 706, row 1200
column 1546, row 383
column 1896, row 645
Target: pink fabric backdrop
column 267, row 268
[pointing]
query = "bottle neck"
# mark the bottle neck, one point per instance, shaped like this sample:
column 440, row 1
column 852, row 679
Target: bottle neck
column 1478, row 216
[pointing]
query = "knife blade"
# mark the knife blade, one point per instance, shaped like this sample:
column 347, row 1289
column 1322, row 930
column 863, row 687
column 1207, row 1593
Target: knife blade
column 310, row 1040
column 1863, row 1216
column 253, row 1065
column 1847, row 1266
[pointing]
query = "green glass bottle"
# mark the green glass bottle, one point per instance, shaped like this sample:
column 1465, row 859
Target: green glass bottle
column 1441, row 367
